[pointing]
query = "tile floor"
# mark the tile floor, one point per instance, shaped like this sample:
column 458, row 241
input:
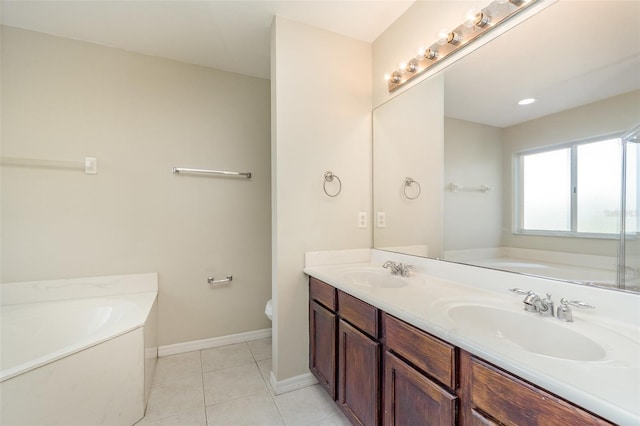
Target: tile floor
column 229, row 386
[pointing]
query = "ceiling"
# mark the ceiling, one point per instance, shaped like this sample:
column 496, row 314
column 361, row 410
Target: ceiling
column 229, row 35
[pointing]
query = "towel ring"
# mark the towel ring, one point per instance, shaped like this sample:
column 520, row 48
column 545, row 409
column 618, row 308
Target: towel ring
column 408, row 182
column 329, row 177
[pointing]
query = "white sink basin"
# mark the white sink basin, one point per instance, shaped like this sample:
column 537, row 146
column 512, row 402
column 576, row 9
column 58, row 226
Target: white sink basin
column 373, row 278
column 543, row 336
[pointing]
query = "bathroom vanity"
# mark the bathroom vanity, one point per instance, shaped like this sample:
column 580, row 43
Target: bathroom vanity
column 397, row 351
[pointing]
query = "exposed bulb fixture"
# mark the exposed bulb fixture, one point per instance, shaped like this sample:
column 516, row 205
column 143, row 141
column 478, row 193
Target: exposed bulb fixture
column 475, row 23
column 526, row 101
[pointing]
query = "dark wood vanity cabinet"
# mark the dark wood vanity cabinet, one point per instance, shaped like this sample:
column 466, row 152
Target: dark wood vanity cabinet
column 323, row 327
column 381, row 370
column 344, row 353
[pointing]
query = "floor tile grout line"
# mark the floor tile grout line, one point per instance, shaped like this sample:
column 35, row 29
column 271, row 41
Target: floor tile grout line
column 272, row 395
column 204, row 397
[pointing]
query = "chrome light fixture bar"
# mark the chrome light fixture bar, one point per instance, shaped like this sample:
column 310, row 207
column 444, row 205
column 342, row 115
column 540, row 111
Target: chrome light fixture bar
column 476, row 23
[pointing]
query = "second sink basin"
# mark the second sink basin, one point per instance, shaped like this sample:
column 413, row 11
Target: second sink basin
column 543, row 336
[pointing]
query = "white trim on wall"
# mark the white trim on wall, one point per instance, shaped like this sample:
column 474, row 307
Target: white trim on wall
column 214, row 342
column 292, row 383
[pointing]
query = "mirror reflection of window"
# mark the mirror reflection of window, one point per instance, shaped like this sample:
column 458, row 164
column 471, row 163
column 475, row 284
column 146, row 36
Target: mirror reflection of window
column 546, row 190
column 573, row 190
column 598, row 187
column 632, row 222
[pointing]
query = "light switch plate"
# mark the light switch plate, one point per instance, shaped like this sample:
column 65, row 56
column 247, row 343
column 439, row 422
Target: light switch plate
column 91, row 165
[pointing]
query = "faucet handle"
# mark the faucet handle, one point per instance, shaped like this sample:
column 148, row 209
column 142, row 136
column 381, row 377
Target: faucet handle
column 576, row 303
column 520, row 291
column 564, row 312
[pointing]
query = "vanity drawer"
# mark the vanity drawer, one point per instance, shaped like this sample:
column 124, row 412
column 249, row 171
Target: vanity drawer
column 358, row 313
column 512, row 401
column 323, row 293
column 431, row 355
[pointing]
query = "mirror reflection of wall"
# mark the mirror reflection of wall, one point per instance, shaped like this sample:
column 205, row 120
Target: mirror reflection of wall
column 587, row 91
column 407, row 136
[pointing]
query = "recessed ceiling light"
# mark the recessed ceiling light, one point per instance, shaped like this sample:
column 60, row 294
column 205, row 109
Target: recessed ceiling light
column 526, row 101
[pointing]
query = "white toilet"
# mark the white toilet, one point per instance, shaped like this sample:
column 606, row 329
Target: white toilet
column 268, row 310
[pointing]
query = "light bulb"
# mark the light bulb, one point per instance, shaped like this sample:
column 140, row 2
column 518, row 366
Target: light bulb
column 441, row 36
column 411, row 67
column 387, row 77
column 469, row 18
column 402, row 66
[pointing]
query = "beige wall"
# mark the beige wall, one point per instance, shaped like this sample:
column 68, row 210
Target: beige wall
column 610, row 116
column 321, row 120
column 140, row 116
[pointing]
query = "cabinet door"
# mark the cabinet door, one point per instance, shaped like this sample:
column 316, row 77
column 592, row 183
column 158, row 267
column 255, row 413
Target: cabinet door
column 411, row 399
column 322, row 346
column 358, row 376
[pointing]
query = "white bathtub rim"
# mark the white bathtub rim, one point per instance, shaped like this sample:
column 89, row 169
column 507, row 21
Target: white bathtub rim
column 144, row 300
column 21, row 292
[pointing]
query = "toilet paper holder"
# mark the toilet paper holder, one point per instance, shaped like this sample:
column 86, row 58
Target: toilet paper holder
column 213, row 281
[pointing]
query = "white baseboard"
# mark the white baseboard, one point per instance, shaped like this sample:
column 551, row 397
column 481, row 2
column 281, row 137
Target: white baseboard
column 214, row 342
column 292, row 383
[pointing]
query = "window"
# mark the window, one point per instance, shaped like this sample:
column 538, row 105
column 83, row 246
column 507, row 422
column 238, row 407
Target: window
column 575, row 189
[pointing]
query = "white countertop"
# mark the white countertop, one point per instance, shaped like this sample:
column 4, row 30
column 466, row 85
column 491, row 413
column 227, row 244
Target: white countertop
column 609, row 387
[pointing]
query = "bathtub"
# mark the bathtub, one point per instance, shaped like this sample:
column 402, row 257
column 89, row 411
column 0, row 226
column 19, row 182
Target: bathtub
column 86, row 360
column 580, row 268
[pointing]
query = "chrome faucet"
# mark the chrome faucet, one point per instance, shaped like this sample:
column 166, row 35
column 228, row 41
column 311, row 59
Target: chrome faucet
column 544, row 306
column 534, row 303
column 399, row 268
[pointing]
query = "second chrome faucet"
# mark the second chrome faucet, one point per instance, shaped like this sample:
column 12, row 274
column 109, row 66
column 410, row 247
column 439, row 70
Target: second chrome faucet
column 398, row 268
column 544, row 306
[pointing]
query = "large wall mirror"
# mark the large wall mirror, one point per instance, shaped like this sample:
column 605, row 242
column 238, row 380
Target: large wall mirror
column 463, row 173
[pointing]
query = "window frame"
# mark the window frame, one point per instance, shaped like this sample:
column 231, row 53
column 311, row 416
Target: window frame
column 518, row 189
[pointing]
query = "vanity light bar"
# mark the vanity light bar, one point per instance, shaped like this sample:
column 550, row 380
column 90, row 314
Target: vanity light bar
column 476, row 23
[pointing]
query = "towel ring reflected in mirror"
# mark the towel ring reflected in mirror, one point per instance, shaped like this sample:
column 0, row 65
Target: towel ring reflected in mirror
column 408, row 183
column 329, row 177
